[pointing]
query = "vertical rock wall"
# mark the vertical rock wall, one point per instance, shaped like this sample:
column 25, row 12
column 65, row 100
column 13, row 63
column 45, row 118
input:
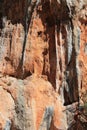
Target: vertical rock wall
column 43, row 59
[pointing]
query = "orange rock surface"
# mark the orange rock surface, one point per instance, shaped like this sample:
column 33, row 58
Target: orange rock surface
column 43, row 65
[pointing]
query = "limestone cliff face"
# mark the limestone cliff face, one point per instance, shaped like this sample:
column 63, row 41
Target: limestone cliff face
column 43, row 65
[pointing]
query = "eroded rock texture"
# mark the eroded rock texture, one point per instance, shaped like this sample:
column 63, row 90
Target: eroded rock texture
column 43, row 65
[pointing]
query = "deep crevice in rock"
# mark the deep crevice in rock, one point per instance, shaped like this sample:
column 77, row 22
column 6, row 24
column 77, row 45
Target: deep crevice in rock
column 49, row 20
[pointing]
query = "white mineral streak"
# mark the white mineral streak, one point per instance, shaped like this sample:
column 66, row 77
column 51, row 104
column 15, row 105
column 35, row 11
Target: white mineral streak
column 57, row 59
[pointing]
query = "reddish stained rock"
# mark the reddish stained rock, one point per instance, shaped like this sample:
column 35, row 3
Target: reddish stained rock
column 6, row 109
column 43, row 64
column 35, row 98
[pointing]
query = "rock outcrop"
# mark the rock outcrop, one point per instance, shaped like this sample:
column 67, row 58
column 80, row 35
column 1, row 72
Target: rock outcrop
column 43, row 65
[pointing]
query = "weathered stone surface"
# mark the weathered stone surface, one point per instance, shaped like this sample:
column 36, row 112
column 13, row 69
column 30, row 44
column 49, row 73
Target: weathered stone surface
column 32, row 106
column 43, row 64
